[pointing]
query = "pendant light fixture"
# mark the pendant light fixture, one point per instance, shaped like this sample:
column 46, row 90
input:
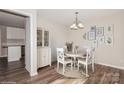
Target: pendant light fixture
column 77, row 24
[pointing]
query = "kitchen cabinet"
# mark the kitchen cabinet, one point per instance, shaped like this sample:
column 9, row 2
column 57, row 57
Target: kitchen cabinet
column 14, row 53
column 11, row 40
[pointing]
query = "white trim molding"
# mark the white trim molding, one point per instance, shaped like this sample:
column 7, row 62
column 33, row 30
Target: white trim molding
column 31, row 38
column 109, row 65
column 33, row 74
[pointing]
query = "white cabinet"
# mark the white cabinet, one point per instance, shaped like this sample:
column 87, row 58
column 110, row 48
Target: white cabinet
column 43, row 56
column 14, row 53
column 43, row 49
column 11, row 39
column 15, row 33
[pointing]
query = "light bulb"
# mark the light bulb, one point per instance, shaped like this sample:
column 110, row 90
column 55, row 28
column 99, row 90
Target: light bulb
column 80, row 25
column 74, row 27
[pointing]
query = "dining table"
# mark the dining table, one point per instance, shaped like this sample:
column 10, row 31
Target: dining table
column 75, row 56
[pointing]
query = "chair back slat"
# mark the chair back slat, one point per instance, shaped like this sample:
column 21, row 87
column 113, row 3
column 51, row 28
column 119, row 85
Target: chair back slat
column 90, row 54
column 60, row 54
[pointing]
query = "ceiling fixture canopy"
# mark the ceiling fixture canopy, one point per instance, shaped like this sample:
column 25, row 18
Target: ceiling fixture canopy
column 77, row 24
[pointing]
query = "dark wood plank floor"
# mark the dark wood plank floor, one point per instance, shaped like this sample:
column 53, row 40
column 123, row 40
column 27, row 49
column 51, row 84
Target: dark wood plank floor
column 14, row 72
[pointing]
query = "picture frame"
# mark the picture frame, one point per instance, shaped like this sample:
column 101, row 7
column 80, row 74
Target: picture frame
column 92, row 35
column 100, row 31
column 101, row 40
column 95, row 43
column 109, row 39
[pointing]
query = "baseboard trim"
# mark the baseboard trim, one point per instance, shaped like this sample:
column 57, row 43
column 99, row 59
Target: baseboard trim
column 27, row 68
column 33, row 74
column 113, row 66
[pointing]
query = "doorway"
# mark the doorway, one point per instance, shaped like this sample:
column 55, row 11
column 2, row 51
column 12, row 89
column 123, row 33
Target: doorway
column 30, row 46
column 12, row 41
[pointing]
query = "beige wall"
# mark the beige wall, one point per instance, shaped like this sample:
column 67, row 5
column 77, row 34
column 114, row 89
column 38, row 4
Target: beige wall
column 110, row 55
column 58, row 34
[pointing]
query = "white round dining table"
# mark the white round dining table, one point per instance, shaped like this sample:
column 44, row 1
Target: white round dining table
column 74, row 56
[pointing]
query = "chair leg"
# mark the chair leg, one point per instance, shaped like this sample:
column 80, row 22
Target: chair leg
column 78, row 66
column 87, row 71
column 57, row 66
column 92, row 67
column 71, row 65
column 84, row 66
column 63, row 69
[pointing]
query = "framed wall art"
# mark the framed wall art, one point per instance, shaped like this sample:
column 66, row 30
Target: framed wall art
column 100, row 31
column 91, row 35
column 109, row 35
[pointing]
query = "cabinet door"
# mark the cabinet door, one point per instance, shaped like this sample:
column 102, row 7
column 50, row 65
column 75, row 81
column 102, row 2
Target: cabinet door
column 39, row 37
column 44, row 57
column 46, row 38
column 14, row 53
column 49, row 58
column 39, row 57
column 44, row 61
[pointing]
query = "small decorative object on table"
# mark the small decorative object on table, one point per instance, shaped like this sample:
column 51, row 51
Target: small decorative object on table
column 69, row 46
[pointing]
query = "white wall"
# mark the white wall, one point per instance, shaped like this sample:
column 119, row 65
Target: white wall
column 113, row 56
column 77, row 36
column 58, row 34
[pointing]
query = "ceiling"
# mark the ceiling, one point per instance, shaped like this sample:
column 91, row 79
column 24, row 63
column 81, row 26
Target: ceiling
column 67, row 16
column 60, row 16
column 13, row 20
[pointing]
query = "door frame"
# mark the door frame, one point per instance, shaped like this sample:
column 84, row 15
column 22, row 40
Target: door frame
column 31, row 38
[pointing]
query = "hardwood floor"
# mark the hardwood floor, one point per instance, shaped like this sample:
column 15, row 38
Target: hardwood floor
column 14, row 72
column 106, row 75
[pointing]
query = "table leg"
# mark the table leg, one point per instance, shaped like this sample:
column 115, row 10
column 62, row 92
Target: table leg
column 74, row 62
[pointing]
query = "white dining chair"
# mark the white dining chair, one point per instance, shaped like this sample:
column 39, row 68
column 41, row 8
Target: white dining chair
column 89, row 59
column 61, row 58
